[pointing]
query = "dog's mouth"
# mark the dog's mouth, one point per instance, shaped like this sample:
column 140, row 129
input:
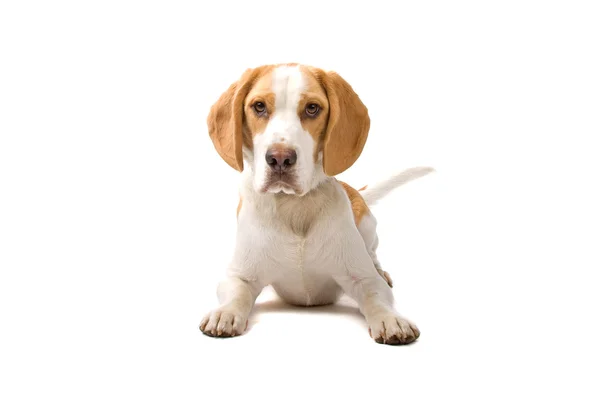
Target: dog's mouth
column 281, row 182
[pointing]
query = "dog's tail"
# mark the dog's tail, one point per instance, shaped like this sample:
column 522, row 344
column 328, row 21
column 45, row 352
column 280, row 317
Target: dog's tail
column 372, row 194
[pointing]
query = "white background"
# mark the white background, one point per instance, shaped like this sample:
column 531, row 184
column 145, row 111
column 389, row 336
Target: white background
column 117, row 216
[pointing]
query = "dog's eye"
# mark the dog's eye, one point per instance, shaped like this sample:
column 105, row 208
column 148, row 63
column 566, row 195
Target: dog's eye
column 312, row 110
column 259, row 107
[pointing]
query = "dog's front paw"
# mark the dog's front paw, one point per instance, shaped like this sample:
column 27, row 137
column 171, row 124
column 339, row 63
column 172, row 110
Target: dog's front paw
column 223, row 322
column 392, row 329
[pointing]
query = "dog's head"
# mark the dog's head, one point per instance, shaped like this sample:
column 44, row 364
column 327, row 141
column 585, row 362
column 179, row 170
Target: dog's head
column 291, row 125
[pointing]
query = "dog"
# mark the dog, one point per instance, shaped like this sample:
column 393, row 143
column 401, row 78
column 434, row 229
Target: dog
column 290, row 129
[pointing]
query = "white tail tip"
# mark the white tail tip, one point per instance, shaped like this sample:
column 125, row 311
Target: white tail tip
column 372, row 194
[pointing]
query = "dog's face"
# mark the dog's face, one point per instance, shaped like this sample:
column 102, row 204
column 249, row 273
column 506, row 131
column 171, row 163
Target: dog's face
column 291, row 125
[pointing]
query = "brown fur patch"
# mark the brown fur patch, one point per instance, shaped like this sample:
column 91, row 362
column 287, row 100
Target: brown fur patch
column 359, row 206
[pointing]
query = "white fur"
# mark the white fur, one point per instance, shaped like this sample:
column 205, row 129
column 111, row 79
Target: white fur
column 286, row 128
column 309, row 249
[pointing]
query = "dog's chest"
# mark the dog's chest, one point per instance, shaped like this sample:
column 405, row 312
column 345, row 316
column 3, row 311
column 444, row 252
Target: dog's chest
column 291, row 238
column 301, row 246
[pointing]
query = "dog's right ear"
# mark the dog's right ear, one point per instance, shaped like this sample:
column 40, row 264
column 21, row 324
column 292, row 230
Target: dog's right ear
column 225, row 120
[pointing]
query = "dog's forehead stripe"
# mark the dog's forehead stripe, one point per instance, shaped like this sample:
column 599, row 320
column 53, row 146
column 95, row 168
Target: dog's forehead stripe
column 288, row 85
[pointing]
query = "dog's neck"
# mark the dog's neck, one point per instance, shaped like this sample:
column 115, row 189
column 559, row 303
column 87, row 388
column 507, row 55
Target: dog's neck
column 292, row 212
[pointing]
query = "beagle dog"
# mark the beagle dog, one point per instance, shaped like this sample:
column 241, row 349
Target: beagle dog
column 290, row 129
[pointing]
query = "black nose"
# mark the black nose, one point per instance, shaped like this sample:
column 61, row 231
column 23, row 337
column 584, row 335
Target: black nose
column 281, row 159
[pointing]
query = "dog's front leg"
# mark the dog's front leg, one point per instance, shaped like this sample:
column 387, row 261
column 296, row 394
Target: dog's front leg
column 236, row 298
column 357, row 277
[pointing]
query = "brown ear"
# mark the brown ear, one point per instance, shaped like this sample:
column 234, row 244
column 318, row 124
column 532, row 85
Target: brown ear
column 225, row 121
column 348, row 125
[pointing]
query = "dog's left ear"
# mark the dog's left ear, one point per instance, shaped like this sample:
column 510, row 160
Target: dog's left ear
column 348, row 125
